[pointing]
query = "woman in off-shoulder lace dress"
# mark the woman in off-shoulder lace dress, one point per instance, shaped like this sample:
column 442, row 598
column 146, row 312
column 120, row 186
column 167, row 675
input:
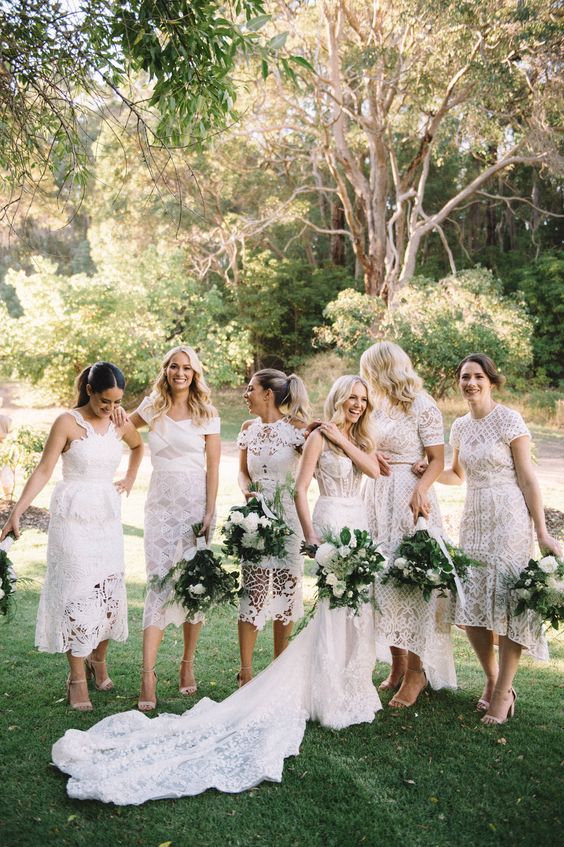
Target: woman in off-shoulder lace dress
column 491, row 450
column 83, row 602
column 412, row 631
column 325, row 674
column 269, row 452
column 185, row 449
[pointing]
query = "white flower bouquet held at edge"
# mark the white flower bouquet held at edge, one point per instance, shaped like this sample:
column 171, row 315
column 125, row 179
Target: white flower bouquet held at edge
column 8, row 578
column 257, row 529
column 429, row 562
column 540, row 589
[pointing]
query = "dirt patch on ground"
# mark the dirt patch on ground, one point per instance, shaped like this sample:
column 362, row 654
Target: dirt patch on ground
column 34, row 518
column 555, row 523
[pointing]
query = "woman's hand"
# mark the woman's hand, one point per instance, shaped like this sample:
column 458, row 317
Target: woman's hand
column 332, row 432
column 313, row 539
column 385, row 467
column 11, row 525
column 206, row 525
column 548, row 544
column 419, row 504
column 312, row 425
column 124, row 486
column 119, row 417
column 419, row 468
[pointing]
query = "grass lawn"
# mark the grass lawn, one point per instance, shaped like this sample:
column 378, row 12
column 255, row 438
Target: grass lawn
column 430, row 776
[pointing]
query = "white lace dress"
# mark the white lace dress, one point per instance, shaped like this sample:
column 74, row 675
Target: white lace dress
column 83, row 599
column 406, row 620
column 272, row 588
column 176, row 500
column 496, row 526
column 325, row 674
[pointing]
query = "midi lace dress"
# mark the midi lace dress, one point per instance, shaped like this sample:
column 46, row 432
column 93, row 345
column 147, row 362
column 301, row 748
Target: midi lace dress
column 272, row 588
column 176, row 500
column 405, row 619
column 325, row 674
column 496, row 527
column 83, row 599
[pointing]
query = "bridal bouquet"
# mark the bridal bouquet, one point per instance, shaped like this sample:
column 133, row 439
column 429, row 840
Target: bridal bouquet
column 199, row 582
column 256, row 529
column 540, row 588
column 8, row 577
column 347, row 563
column 429, row 562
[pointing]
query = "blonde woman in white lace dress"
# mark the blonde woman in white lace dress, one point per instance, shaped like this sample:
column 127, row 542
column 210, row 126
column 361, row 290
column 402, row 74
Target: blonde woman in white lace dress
column 269, row 452
column 408, row 426
column 83, row 602
column 185, row 447
column 491, row 450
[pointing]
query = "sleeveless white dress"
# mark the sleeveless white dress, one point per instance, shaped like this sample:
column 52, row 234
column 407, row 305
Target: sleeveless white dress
column 496, row 527
column 325, row 674
column 83, row 599
column 176, row 500
column 406, row 620
column 272, row 588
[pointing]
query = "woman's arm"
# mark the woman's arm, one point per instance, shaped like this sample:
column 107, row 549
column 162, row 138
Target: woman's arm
column 419, row 502
column 455, row 474
column 311, row 453
column 528, row 483
column 244, row 477
column 213, row 455
column 133, row 440
column 365, row 462
column 57, row 440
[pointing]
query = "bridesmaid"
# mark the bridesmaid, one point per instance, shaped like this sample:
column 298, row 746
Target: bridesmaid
column 185, row 449
column 269, row 451
column 408, row 426
column 491, row 449
column 83, row 602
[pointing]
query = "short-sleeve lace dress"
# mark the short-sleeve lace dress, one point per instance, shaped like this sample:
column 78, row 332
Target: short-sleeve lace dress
column 83, row 599
column 272, row 459
column 406, row 620
column 176, row 500
column 496, row 527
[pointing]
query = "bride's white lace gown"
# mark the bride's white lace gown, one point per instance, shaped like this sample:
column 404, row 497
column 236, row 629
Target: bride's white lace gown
column 496, row 527
column 176, row 500
column 273, row 587
column 325, row 674
column 83, row 599
column 406, row 620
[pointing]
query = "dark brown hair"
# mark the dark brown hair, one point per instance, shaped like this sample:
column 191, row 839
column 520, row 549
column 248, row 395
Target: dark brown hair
column 100, row 376
column 487, row 365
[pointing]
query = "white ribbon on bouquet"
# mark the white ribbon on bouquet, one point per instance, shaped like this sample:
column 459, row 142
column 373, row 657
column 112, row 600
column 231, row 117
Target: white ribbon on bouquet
column 7, row 543
column 258, row 495
column 436, row 535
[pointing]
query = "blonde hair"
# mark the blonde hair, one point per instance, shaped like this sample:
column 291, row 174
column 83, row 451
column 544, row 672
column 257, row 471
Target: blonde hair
column 199, row 398
column 290, row 393
column 360, row 432
column 390, row 374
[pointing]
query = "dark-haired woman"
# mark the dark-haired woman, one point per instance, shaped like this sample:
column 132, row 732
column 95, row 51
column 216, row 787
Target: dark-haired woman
column 269, row 452
column 83, row 603
column 491, row 450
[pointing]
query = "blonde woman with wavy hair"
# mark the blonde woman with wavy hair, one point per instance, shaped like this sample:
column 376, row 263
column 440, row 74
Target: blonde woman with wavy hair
column 185, row 446
column 408, row 427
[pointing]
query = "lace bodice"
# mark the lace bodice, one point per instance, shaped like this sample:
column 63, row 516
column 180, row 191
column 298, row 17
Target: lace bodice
column 337, row 475
column 404, row 436
column 272, row 450
column 484, row 446
column 94, row 457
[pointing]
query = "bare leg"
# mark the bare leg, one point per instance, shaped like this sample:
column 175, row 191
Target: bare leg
column 282, row 632
column 77, row 685
column 413, row 683
column 97, row 666
column 187, row 680
column 247, row 640
column 482, row 640
column 256, row 582
column 503, row 695
column 152, row 637
column 397, row 671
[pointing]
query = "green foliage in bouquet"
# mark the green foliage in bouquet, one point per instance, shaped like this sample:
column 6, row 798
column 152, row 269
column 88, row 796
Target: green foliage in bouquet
column 540, row 589
column 257, row 529
column 8, row 581
column 201, row 582
column 420, row 563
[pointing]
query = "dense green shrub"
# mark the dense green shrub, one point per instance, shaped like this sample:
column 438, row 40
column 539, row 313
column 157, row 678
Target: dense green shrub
column 438, row 324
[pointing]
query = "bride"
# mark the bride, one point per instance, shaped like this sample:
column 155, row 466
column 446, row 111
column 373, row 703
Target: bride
column 325, row 674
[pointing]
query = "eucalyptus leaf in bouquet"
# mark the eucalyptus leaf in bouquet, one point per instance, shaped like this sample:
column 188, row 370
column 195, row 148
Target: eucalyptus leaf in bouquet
column 257, row 529
column 540, row 589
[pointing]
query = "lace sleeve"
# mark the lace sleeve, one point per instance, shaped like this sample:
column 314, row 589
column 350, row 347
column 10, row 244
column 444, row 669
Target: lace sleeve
column 243, row 438
column 454, row 439
column 430, row 424
column 513, row 426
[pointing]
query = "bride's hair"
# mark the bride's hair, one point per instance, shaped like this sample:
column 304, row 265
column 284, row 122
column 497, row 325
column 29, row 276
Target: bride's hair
column 100, row 376
column 199, row 398
column 390, row 374
column 290, row 393
column 361, row 431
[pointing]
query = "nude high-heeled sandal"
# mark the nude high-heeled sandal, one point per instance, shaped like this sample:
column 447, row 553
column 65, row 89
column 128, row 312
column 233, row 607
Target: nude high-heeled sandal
column 188, row 689
column 148, row 705
column 82, row 705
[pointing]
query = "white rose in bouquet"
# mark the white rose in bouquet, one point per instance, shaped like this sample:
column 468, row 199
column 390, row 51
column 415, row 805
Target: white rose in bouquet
column 2, row 593
column 251, row 522
column 236, row 518
column 339, row 589
column 400, row 563
column 556, row 585
column 344, row 551
column 524, row 593
column 332, row 579
column 197, row 589
column 325, row 554
column 548, row 564
column 433, row 576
